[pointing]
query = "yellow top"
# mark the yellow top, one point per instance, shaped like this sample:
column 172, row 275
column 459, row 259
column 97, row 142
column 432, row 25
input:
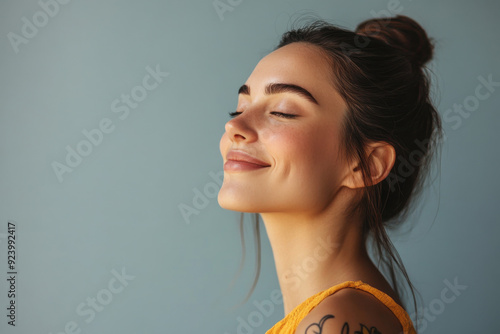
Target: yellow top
column 289, row 324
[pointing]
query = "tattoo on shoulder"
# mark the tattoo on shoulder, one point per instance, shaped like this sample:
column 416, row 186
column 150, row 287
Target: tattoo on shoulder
column 317, row 328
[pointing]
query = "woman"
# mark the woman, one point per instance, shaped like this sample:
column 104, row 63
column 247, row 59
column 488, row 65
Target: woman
column 332, row 137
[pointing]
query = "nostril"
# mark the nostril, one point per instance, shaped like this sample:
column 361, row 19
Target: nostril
column 236, row 135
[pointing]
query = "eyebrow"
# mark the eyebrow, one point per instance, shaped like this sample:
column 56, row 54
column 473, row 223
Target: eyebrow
column 276, row 88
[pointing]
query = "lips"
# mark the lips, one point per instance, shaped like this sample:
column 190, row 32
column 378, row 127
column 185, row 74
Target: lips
column 239, row 161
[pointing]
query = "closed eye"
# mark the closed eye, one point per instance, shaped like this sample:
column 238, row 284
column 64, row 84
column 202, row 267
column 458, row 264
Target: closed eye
column 280, row 114
column 277, row 113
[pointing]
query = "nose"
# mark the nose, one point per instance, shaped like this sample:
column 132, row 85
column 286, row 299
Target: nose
column 240, row 128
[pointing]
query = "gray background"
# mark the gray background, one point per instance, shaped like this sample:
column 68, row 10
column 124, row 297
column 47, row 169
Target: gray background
column 120, row 208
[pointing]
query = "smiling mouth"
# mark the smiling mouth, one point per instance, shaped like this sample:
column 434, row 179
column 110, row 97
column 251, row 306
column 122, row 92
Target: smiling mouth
column 240, row 160
column 239, row 165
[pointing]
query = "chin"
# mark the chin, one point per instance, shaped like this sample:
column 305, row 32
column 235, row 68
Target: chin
column 233, row 202
column 233, row 205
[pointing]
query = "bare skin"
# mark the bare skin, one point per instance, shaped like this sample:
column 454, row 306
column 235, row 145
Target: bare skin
column 303, row 193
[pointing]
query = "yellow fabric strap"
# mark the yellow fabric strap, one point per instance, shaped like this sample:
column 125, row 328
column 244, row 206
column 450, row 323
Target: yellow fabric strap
column 289, row 324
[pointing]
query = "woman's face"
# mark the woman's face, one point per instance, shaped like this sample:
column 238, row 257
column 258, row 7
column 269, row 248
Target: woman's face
column 303, row 170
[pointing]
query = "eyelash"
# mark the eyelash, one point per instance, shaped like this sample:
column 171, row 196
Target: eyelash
column 277, row 113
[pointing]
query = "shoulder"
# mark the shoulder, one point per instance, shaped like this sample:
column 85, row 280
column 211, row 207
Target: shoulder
column 350, row 311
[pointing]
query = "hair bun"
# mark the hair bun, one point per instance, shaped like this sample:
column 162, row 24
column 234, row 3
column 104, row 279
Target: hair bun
column 402, row 33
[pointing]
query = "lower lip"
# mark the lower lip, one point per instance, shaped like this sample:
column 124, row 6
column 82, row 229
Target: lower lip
column 236, row 166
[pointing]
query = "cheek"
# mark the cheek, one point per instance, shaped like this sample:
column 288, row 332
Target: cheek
column 303, row 149
column 306, row 172
column 288, row 145
column 324, row 154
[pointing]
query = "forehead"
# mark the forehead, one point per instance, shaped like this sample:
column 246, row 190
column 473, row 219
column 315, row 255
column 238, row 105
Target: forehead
column 297, row 63
column 299, row 60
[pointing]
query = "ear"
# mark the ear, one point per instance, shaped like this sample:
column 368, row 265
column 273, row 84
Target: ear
column 380, row 156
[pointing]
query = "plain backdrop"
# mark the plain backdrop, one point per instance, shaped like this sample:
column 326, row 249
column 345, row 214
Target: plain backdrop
column 98, row 187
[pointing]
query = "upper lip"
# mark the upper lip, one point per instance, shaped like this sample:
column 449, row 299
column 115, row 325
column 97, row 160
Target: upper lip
column 239, row 155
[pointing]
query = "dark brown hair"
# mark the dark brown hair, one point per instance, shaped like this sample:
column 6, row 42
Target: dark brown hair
column 379, row 70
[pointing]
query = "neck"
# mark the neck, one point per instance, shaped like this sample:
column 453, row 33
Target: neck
column 315, row 252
